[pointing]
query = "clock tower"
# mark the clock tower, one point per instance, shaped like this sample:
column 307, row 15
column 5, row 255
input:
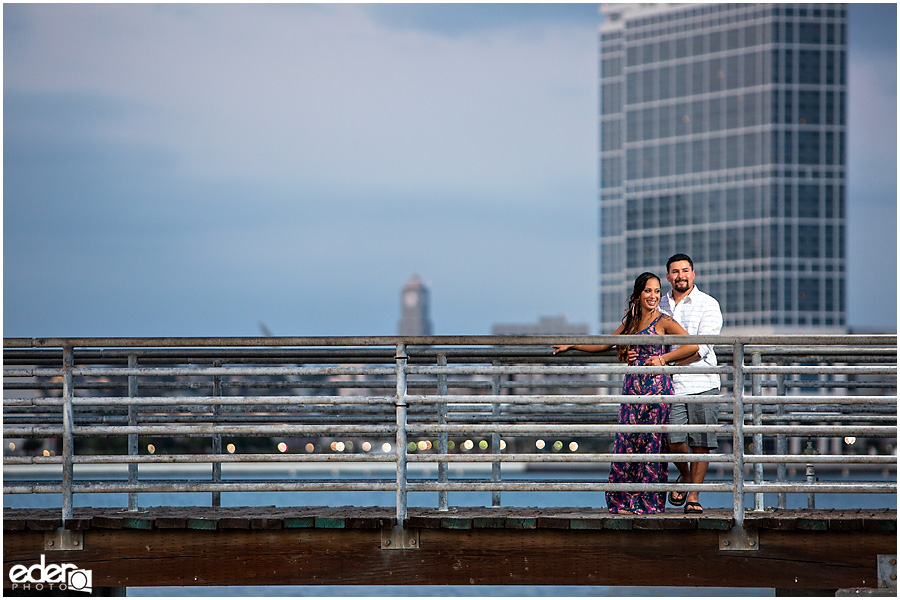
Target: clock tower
column 414, row 318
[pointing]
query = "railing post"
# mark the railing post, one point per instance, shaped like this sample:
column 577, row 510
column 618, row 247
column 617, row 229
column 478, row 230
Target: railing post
column 443, row 437
column 133, row 449
column 217, row 439
column 738, row 435
column 68, row 449
column 759, row 501
column 810, row 475
column 781, row 439
column 402, row 409
column 495, row 437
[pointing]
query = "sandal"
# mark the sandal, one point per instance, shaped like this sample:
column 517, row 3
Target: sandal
column 677, row 500
column 693, row 508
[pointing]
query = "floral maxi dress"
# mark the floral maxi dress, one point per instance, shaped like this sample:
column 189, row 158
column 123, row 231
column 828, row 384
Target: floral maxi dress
column 641, row 443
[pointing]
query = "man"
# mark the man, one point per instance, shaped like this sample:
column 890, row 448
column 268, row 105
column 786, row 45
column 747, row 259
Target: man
column 699, row 314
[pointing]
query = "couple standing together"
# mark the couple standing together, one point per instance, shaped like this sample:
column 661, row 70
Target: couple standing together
column 684, row 310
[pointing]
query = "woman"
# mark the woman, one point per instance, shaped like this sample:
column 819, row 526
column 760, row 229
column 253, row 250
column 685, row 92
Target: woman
column 642, row 318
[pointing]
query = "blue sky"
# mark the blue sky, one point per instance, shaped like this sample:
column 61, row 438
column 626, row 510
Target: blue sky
column 198, row 169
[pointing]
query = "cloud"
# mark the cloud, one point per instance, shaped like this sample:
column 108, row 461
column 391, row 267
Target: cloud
column 328, row 93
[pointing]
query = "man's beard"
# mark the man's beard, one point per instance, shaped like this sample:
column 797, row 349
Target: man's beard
column 681, row 286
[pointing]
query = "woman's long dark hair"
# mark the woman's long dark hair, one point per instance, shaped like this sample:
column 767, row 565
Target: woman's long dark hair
column 632, row 318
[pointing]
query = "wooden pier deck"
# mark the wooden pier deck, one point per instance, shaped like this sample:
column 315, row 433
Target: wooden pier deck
column 823, row 550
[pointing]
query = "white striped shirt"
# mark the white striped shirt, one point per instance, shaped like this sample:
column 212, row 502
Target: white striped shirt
column 699, row 314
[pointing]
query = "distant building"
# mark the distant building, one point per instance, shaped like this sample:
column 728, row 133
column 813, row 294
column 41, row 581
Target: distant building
column 544, row 326
column 414, row 319
column 723, row 135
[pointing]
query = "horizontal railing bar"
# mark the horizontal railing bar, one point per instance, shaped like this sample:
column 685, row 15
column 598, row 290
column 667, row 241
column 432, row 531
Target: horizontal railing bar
column 834, row 459
column 553, row 399
column 827, row 430
column 201, row 371
column 615, row 369
column 821, row 488
column 455, row 485
column 551, row 486
column 443, row 399
column 821, row 370
column 516, row 430
column 270, row 430
column 209, row 486
column 99, row 459
column 822, row 419
column 411, row 341
column 611, row 369
column 200, row 400
column 420, row 428
column 573, row 457
column 781, row 350
column 838, row 400
column 796, row 383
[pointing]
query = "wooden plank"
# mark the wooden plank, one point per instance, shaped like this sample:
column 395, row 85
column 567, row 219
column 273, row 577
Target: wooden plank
column 264, row 523
column 521, row 522
column 330, row 523
column 489, row 522
column 47, row 524
column 547, row 522
column 586, row 523
column 234, row 523
column 456, row 523
column 203, row 524
column 299, row 522
column 137, row 523
column 619, row 524
column 371, row 522
column 170, row 523
column 106, row 522
column 78, row 523
column 13, row 524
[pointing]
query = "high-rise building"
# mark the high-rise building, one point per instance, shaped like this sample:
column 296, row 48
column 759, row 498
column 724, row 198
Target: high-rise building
column 722, row 135
column 414, row 319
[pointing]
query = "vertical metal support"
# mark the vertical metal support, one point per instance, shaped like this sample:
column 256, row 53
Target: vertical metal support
column 402, row 409
column 738, row 436
column 132, row 437
column 781, row 439
column 810, row 475
column 217, row 438
column 759, row 501
column 443, row 437
column 68, row 449
column 495, row 437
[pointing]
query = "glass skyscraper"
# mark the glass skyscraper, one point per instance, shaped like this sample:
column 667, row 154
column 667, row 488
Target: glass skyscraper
column 722, row 135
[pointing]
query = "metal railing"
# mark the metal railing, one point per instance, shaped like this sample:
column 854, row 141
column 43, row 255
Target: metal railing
column 508, row 390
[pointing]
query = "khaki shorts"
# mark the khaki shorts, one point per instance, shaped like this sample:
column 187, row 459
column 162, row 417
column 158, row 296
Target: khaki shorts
column 696, row 414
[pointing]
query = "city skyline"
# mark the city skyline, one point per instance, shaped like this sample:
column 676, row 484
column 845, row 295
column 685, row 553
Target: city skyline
column 162, row 179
